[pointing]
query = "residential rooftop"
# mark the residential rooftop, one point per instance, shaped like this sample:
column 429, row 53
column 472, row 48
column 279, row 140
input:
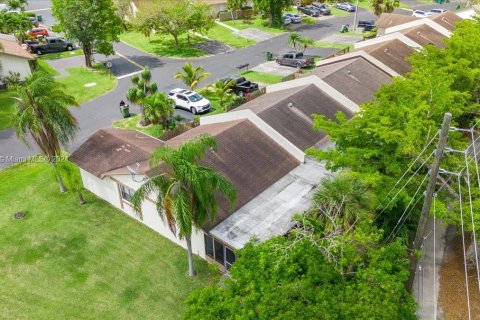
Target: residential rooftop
column 12, row 48
column 356, row 78
column 424, row 35
column 393, row 53
column 289, row 112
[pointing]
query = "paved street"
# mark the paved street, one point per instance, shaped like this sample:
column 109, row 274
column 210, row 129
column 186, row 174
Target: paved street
column 101, row 112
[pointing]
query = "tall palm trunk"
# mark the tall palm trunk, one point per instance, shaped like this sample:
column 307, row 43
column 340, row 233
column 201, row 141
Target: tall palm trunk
column 81, row 199
column 191, row 271
column 63, row 189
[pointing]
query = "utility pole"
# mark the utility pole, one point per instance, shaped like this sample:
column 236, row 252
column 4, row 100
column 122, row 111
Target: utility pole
column 417, row 244
column 355, row 17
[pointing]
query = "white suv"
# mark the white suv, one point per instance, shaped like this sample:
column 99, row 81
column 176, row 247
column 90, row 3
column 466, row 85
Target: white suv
column 189, row 100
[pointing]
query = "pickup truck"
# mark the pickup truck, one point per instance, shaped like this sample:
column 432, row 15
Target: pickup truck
column 241, row 86
column 296, row 59
column 51, row 44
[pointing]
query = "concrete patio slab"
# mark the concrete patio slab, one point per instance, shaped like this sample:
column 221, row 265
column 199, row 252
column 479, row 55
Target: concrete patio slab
column 338, row 38
column 273, row 68
column 255, row 34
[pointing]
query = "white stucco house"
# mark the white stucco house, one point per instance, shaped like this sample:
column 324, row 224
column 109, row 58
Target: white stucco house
column 261, row 150
column 13, row 58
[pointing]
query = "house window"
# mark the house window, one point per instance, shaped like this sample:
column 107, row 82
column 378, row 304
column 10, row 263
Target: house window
column 229, row 257
column 218, row 251
column 126, row 193
column 209, row 246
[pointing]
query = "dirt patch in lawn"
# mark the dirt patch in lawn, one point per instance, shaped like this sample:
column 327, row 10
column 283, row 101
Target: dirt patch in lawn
column 453, row 294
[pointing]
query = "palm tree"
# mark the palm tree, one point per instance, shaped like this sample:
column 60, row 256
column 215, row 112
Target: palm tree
column 381, row 6
column 222, row 90
column 306, row 43
column 141, row 88
column 191, row 76
column 344, row 197
column 42, row 111
column 186, row 191
column 159, row 107
column 293, row 39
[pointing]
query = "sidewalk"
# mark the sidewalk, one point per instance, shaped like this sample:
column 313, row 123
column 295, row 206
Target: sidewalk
column 426, row 281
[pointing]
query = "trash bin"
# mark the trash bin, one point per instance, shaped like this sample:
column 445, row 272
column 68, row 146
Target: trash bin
column 268, row 56
column 125, row 110
column 344, row 28
column 39, row 18
column 439, row 1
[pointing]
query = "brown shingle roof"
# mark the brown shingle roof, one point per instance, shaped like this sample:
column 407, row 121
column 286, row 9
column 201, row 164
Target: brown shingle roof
column 446, row 19
column 356, row 78
column 111, row 150
column 388, row 20
column 245, row 156
column 12, row 48
column 424, row 35
column 289, row 112
column 392, row 53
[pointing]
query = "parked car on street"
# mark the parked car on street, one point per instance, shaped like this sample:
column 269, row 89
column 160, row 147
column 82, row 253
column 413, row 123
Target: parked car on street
column 38, row 32
column 296, row 59
column 294, row 17
column 367, row 25
column 241, row 86
column 309, row 11
column 189, row 100
column 286, row 20
column 421, row 13
column 437, row 11
column 346, row 6
column 52, row 44
column 322, row 7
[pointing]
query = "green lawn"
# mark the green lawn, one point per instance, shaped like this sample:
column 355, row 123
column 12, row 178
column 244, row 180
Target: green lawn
column 63, row 54
column 255, row 22
column 78, row 77
column 225, row 35
column 66, row 261
column 45, row 67
column 7, row 108
column 338, row 12
column 324, row 44
column 131, row 124
column 265, row 78
column 163, row 46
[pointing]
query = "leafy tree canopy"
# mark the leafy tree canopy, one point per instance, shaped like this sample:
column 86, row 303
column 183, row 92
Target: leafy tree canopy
column 93, row 23
column 273, row 9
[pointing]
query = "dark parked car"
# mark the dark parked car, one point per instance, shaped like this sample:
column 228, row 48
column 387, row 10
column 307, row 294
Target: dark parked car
column 296, row 59
column 347, row 6
column 52, row 44
column 322, row 7
column 241, row 86
column 309, row 11
column 367, row 25
column 294, row 17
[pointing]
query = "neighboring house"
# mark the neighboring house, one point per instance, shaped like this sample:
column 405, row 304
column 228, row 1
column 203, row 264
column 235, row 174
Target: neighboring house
column 13, row 58
column 221, row 5
column 387, row 20
column 391, row 53
column 356, row 75
column 424, row 35
column 217, row 5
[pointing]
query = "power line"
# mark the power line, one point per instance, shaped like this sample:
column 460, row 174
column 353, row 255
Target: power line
column 473, row 220
column 463, row 243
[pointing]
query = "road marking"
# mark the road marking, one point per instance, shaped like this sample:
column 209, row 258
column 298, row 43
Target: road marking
column 43, row 9
column 129, row 60
column 129, row 75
